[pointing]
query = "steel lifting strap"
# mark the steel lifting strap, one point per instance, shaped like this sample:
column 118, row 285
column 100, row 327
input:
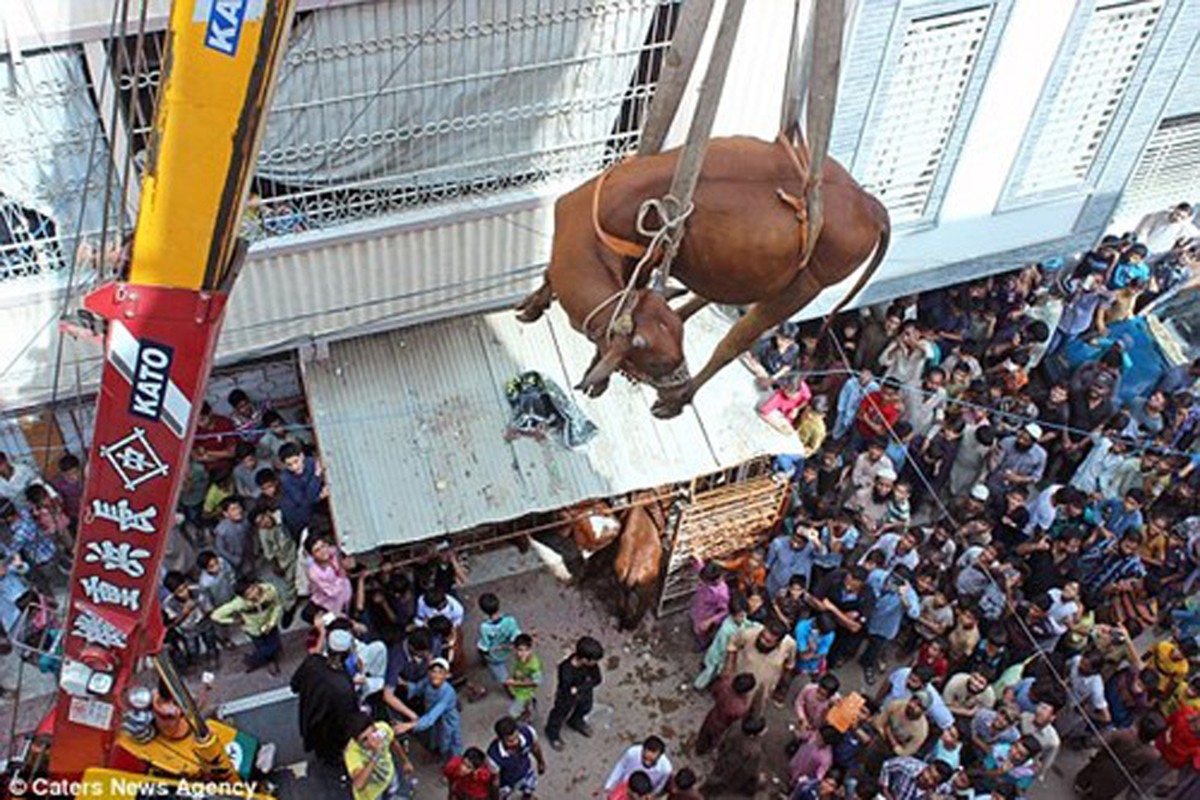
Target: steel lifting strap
column 827, row 26
column 676, row 72
column 676, row 206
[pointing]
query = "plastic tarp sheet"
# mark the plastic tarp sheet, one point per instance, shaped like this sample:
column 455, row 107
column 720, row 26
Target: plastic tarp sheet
column 1144, row 362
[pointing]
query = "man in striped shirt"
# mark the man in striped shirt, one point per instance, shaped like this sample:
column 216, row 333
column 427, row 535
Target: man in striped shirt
column 907, row 778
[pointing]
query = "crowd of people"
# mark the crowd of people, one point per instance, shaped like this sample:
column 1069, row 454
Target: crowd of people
column 983, row 518
column 1001, row 535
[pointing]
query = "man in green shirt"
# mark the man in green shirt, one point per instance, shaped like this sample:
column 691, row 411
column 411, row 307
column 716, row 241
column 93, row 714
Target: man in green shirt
column 524, row 679
column 369, row 760
column 257, row 609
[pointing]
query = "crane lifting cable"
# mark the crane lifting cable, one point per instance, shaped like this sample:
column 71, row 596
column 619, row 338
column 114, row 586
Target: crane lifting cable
column 815, row 69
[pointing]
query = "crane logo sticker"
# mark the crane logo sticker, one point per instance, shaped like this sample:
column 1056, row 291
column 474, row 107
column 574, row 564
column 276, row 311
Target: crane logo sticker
column 224, row 21
column 147, row 367
column 124, row 515
column 150, row 376
column 134, row 460
column 98, row 590
column 122, row 557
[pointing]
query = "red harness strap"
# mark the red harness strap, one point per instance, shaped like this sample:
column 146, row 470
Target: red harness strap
column 622, row 247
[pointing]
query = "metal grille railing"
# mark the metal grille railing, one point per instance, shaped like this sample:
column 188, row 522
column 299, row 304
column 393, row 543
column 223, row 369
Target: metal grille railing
column 49, row 132
column 397, row 104
column 1168, row 171
column 382, row 107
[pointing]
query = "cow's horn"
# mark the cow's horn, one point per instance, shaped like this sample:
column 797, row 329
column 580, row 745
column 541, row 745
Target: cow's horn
column 602, row 368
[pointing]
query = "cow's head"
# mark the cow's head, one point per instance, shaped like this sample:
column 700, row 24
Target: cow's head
column 652, row 350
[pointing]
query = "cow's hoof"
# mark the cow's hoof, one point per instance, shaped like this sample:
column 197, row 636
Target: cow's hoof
column 594, row 390
column 667, row 408
column 529, row 313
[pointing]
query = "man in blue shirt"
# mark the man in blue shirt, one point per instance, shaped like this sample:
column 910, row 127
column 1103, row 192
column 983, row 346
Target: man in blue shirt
column 303, row 488
column 1131, row 268
column 1084, row 296
column 1121, row 516
column 511, row 757
column 788, row 556
column 896, row 599
column 36, row 546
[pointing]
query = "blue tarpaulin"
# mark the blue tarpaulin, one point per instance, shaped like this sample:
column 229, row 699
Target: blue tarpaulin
column 1144, row 362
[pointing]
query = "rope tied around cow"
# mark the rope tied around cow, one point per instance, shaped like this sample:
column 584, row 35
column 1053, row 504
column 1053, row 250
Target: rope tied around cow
column 672, row 215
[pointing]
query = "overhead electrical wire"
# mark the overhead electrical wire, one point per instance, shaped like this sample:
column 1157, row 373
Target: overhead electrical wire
column 1040, row 652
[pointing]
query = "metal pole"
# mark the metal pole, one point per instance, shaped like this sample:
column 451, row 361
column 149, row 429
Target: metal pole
column 677, row 71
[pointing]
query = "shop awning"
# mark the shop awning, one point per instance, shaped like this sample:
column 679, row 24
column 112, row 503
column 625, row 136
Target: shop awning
column 411, row 427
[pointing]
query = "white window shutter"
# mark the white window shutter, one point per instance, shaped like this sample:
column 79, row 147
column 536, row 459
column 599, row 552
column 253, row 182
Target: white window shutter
column 1081, row 109
column 1168, row 171
column 919, row 107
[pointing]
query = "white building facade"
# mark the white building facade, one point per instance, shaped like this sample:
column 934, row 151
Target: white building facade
column 415, row 147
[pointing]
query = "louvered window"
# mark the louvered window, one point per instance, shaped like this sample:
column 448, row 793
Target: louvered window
column 1168, row 171
column 1080, row 111
column 919, row 107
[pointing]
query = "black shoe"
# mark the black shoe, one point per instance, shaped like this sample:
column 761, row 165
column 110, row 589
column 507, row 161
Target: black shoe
column 288, row 616
column 557, row 744
column 582, row 728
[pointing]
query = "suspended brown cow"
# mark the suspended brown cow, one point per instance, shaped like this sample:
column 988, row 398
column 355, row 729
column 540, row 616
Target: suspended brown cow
column 742, row 246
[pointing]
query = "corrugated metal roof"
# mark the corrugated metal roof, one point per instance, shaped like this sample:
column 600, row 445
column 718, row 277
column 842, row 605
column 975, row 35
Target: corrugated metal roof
column 411, row 427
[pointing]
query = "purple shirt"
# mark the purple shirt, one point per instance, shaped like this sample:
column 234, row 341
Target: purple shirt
column 710, row 600
column 811, row 760
column 71, row 493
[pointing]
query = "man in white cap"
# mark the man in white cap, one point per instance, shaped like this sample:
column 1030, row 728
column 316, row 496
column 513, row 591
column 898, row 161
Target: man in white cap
column 441, row 725
column 1019, row 460
column 327, row 702
column 366, row 662
column 871, row 502
column 972, row 520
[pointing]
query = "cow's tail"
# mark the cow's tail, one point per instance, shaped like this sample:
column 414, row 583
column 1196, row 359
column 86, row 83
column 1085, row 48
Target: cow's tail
column 881, row 248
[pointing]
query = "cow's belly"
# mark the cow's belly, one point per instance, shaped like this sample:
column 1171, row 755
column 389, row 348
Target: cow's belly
column 739, row 256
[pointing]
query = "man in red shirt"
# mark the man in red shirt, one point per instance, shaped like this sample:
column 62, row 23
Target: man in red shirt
column 878, row 413
column 1180, row 748
column 216, row 440
column 638, row 787
column 468, row 776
